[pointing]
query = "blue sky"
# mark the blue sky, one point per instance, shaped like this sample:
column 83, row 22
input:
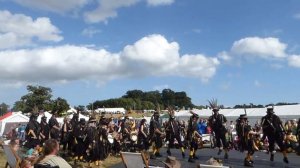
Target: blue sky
column 238, row 52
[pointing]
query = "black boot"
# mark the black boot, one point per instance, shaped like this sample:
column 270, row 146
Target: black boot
column 191, row 160
column 285, row 159
column 152, row 156
column 226, row 155
column 220, row 151
column 183, row 154
column 169, row 152
column 158, row 155
column 272, row 157
column 248, row 163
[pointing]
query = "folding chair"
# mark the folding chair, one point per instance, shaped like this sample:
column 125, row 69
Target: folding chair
column 13, row 160
column 134, row 160
column 210, row 166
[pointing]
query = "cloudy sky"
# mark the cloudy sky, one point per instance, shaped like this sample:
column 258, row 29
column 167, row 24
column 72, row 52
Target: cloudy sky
column 239, row 52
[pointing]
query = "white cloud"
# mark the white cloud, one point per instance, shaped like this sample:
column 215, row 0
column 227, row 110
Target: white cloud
column 257, row 83
column 224, row 56
column 56, row 6
column 107, row 9
column 19, row 30
column 159, row 2
column 260, row 47
column 150, row 56
column 90, row 31
column 198, row 31
column 198, row 66
column 294, row 61
column 297, row 16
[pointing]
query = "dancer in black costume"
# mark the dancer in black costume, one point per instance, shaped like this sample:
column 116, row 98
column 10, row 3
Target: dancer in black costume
column 274, row 131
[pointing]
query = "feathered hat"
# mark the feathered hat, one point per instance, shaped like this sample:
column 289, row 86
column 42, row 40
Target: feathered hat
column 214, row 104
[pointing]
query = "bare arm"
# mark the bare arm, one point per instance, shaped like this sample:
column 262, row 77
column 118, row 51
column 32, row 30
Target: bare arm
column 142, row 130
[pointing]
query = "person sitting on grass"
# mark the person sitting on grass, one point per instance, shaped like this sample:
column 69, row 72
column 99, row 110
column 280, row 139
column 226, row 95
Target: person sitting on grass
column 51, row 148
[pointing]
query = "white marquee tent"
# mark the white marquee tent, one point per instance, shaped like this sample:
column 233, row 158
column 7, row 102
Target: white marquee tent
column 59, row 119
column 11, row 120
column 286, row 112
column 110, row 110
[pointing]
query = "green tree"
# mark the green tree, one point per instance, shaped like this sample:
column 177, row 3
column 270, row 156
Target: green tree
column 135, row 94
column 60, row 105
column 168, row 97
column 3, row 108
column 152, row 96
column 80, row 108
column 181, row 100
column 38, row 96
column 19, row 106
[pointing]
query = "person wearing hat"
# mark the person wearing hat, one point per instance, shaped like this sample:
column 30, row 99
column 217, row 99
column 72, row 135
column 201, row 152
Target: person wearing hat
column 173, row 132
column 171, row 162
column 54, row 126
column 245, row 135
column 217, row 122
column 156, row 135
column 33, row 130
column 103, row 140
column 45, row 130
column 74, row 123
column 125, row 128
column 79, row 133
column 273, row 129
column 92, row 142
column 65, row 139
column 193, row 136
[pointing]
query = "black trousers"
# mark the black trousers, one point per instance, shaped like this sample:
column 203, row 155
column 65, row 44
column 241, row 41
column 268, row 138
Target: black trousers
column 171, row 140
column 278, row 138
column 158, row 141
column 220, row 137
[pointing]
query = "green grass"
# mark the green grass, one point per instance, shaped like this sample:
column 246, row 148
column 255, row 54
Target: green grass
column 110, row 161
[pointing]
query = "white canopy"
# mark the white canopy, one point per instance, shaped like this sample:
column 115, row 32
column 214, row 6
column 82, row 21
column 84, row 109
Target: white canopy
column 80, row 116
column 111, row 110
column 59, row 119
column 11, row 120
column 286, row 110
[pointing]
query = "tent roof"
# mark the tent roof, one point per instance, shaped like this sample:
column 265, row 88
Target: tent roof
column 286, row 110
column 14, row 117
column 5, row 115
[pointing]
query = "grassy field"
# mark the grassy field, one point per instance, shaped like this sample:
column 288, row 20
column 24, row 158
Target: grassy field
column 110, row 161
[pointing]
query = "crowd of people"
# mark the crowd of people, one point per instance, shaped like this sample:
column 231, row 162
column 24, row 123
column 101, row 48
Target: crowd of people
column 94, row 140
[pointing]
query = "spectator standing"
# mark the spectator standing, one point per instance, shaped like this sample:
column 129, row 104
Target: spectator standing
column 202, row 126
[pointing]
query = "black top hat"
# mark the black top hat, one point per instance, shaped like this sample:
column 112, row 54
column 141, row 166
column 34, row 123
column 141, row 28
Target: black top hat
column 92, row 119
column 243, row 116
column 270, row 109
column 195, row 116
column 82, row 121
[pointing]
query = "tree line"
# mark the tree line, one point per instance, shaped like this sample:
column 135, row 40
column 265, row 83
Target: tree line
column 151, row 100
column 40, row 98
